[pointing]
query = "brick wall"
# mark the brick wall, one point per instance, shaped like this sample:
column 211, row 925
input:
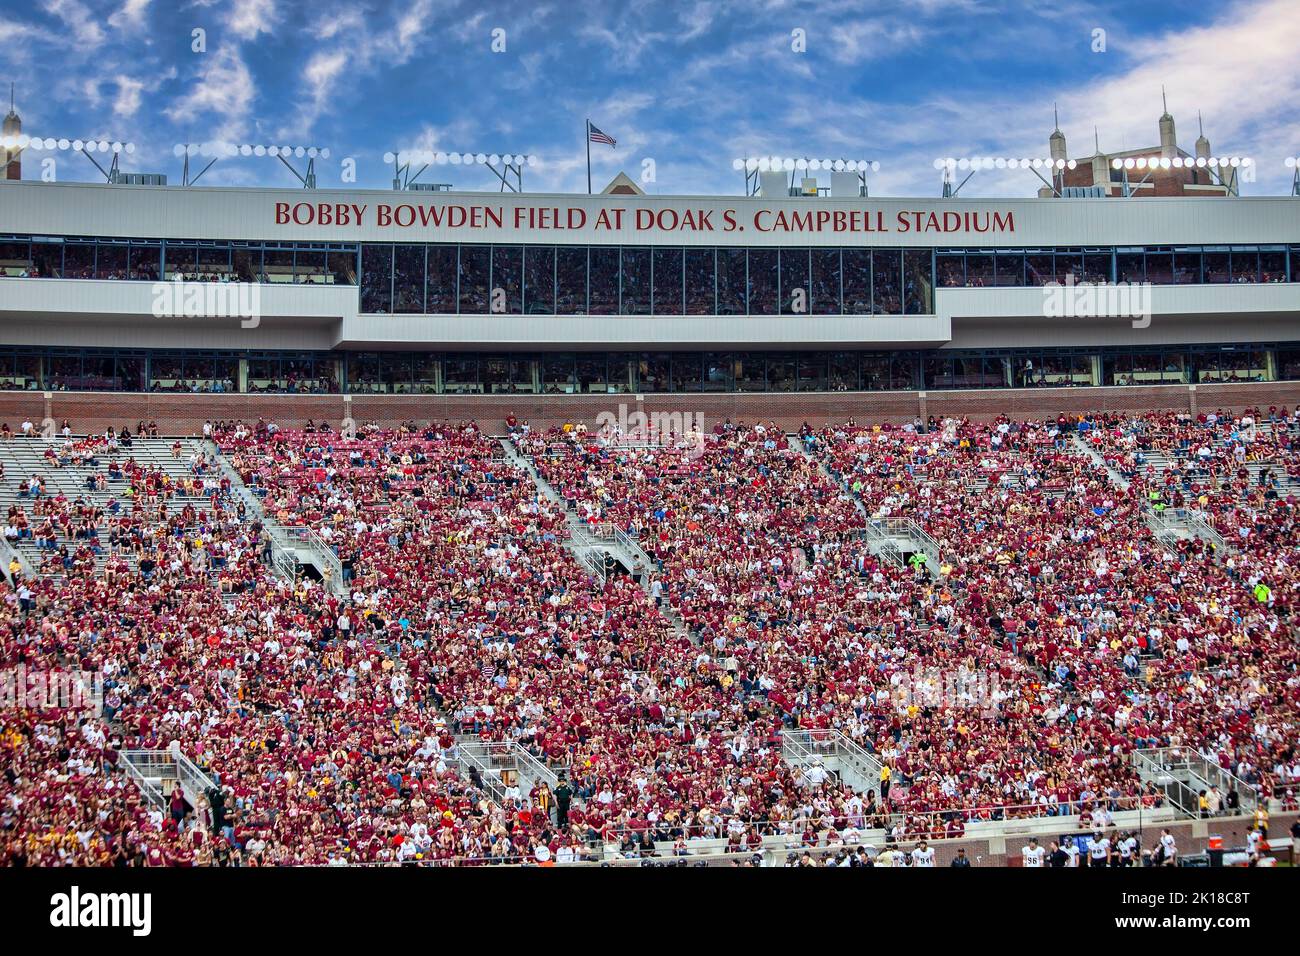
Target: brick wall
column 183, row 414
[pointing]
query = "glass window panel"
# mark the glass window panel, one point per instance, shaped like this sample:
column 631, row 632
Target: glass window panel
column 750, row 371
column 1096, row 267
column 919, row 283
column 1160, row 266
column 652, row 368
column 981, row 269
column 309, row 264
column 47, row 260
column 1187, row 266
column 782, row 372
column 856, row 266
column 502, row 374
column 376, row 278
column 621, row 369
column 441, row 272
column 15, row 259
column 145, row 261
column 539, row 280
column 246, row 264
column 131, row 373
column 1288, row 364
column 1245, row 265
column 1129, row 266
column 475, row 274
column 603, row 294
column 341, row 267
column 64, row 372
column 592, row 373
column 426, row 365
column 559, row 374
column 950, row 268
column 79, row 260
column 731, row 281
column 1272, row 265
column 686, row 372
column 571, row 280
column 508, row 277
column 938, row 371
column 1009, row 268
column 1069, row 266
column 812, row 371
column 887, row 281
column 763, row 285
column 669, row 282
column 1040, row 268
column 460, row 372
column 700, row 293
column 826, row 281
column 875, row 371
column 719, row 372
column 844, row 372
column 794, row 281
column 1215, row 266
column 408, row 279
column 277, row 265
column 363, row 368
column 178, row 259
column 635, row 281
column 903, row 370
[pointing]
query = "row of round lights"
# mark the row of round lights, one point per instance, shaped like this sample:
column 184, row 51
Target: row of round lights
column 764, row 164
column 219, row 149
column 1001, row 162
column 1292, row 162
column 1179, row 162
column 48, row 142
column 440, row 158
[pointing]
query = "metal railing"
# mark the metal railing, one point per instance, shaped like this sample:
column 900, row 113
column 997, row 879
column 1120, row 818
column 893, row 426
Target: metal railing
column 1183, row 774
column 153, row 771
column 493, row 759
column 856, row 767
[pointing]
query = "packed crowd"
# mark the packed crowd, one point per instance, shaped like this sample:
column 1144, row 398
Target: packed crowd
column 1010, row 673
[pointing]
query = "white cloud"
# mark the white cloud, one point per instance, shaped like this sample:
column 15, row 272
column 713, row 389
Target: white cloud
column 131, row 14
column 218, row 106
column 78, row 18
column 127, row 101
column 248, row 18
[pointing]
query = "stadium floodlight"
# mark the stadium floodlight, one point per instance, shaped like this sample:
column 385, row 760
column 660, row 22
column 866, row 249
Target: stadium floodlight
column 970, row 165
column 219, row 149
column 507, row 165
column 752, row 166
column 86, row 146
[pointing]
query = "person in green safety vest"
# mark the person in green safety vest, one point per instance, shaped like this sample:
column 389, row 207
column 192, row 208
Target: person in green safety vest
column 1263, row 592
column 917, row 560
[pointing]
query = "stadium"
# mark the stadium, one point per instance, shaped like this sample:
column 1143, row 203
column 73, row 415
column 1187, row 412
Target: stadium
column 804, row 527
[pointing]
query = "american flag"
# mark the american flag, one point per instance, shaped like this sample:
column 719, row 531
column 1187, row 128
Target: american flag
column 598, row 137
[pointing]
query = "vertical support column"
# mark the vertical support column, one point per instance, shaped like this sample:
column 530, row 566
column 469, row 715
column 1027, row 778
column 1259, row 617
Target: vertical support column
column 920, row 403
column 1192, row 406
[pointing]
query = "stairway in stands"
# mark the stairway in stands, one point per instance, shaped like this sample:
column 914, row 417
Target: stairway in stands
column 25, row 458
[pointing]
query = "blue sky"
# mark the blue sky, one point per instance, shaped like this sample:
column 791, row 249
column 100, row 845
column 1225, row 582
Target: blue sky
column 689, row 85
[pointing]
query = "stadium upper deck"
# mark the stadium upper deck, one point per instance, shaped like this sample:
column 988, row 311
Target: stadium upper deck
column 484, row 292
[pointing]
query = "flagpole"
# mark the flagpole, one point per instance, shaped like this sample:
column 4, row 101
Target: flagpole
column 587, row 137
